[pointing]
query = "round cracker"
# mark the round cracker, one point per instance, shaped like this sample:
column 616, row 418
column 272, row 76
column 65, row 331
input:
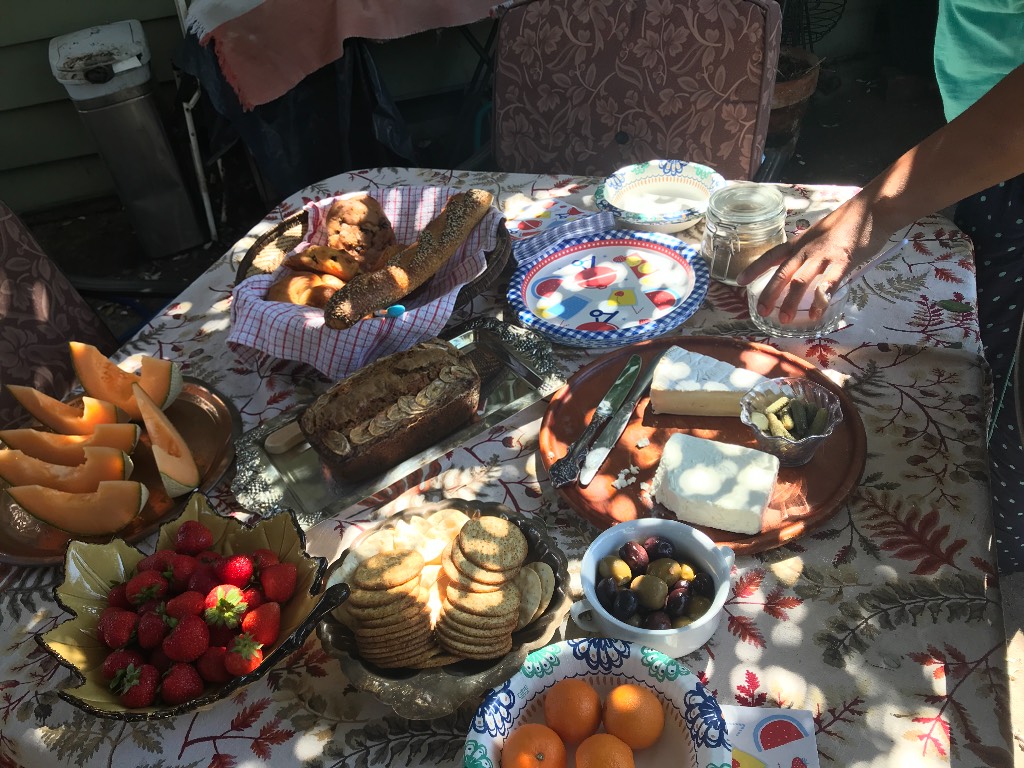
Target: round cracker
column 475, row 620
column 373, row 598
column 500, row 603
column 547, row 584
column 475, row 652
column 493, row 543
column 480, row 643
column 399, row 604
column 462, row 630
column 388, row 569
column 528, row 584
column 458, row 577
column 475, row 572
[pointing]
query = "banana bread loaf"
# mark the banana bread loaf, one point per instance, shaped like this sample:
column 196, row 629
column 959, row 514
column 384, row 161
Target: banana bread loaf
column 392, row 409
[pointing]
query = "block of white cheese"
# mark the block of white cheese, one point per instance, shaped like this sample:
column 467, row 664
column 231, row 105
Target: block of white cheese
column 715, row 484
column 693, row 384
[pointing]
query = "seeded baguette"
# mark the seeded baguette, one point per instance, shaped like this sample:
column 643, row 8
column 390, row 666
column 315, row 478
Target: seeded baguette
column 410, row 268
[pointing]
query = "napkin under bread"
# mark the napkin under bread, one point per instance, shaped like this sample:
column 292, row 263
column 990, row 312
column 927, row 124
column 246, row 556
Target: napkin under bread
column 292, row 332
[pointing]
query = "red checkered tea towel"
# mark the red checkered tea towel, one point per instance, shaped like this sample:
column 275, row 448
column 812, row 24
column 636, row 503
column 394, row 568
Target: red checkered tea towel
column 293, row 332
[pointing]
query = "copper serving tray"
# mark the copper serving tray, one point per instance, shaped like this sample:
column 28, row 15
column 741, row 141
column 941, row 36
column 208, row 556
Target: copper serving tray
column 209, row 424
column 517, row 369
column 804, row 498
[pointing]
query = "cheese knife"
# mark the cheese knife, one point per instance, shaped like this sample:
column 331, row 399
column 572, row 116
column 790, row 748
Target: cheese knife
column 567, row 469
column 616, row 426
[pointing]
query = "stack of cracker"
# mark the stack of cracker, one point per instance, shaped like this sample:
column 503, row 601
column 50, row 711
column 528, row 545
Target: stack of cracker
column 480, row 607
column 390, row 614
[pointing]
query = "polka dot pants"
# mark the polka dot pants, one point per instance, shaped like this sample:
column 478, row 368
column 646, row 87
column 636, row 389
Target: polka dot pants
column 994, row 219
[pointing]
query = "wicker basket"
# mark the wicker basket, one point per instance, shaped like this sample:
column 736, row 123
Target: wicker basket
column 266, row 254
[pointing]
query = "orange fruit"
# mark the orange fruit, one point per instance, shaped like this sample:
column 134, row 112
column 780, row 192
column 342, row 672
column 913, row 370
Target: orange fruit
column 533, row 746
column 634, row 714
column 602, row 750
column 572, row 709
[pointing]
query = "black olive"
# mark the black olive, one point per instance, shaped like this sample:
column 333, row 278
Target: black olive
column 657, row 620
column 635, row 556
column 658, row 547
column 606, row 589
column 703, row 584
column 625, row 605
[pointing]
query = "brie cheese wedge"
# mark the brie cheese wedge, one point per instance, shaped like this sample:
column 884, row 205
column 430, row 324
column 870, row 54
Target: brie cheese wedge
column 693, row 384
column 715, row 484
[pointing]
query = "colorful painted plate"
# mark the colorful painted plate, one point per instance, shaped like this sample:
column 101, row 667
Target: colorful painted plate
column 609, row 289
column 695, row 734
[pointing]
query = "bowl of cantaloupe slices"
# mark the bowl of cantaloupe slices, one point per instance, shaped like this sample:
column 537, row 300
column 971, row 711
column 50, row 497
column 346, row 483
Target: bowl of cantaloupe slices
column 117, row 460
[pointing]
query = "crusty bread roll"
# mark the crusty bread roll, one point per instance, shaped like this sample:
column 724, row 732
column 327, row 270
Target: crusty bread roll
column 325, row 260
column 306, row 288
column 412, row 267
column 358, row 225
column 392, row 409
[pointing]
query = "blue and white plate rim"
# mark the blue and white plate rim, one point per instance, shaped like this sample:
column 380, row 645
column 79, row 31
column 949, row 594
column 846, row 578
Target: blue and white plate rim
column 678, row 315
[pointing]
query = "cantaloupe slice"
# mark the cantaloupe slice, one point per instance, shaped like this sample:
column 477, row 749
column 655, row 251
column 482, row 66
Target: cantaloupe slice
column 103, row 379
column 106, row 510
column 174, row 460
column 61, row 417
column 100, row 464
column 68, row 449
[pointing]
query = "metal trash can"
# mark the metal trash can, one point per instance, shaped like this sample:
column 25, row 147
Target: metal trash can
column 105, row 71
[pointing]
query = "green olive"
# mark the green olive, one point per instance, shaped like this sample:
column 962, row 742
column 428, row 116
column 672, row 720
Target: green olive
column 613, row 567
column 651, row 590
column 666, row 569
column 634, row 620
column 681, row 621
column 699, row 605
column 687, row 572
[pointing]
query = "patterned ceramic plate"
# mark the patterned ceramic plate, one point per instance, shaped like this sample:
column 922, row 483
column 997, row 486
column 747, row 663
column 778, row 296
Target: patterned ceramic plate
column 610, row 288
column 695, row 734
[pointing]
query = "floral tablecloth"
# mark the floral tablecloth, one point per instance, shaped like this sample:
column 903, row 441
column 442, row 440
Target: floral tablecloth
column 885, row 623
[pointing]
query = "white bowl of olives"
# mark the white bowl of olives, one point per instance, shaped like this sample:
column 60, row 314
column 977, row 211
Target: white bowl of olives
column 659, row 583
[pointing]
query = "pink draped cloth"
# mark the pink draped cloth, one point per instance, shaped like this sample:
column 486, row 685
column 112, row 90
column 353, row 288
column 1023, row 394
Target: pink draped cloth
column 265, row 47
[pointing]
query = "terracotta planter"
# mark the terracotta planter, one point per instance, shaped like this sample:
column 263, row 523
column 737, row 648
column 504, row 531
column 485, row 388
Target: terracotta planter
column 790, row 96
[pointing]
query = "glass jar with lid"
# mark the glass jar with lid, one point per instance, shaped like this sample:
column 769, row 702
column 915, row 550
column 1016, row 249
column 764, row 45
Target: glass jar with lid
column 743, row 221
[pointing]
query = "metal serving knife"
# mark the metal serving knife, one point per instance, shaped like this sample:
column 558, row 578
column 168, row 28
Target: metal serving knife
column 616, row 426
column 567, row 469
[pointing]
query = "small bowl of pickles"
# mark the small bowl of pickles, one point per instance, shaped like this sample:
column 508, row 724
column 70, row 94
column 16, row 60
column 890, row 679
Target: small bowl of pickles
column 656, row 582
column 791, row 417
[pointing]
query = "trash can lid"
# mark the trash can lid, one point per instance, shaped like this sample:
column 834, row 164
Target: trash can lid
column 98, row 54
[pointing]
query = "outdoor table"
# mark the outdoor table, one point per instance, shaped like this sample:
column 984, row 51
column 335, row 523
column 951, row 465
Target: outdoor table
column 885, row 623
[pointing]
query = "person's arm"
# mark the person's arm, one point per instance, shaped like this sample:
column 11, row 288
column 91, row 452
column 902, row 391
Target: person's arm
column 979, row 148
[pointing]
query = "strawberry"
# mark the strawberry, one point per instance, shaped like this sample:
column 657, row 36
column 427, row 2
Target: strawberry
column 118, row 660
column 236, row 570
column 209, row 556
column 264, row 557
column 263, row 624
column 116, row 627
column 116, row 597
column 152, row 630
column 210, row 665
column 224, row 606
column 221, row 635
column 159, row 659
column 244, row 656
column 181, row 683
column 192, row 538
column 253, row 598
column 278, row 581
column 204, row 579
column 136, row 686
column 190, row 602
column 145, row 586
column 155, row 562
column 179, row 570
column 187, row 640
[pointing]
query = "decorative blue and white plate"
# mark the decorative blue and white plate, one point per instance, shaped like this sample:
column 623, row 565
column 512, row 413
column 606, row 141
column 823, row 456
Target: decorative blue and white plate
column 609, row 289
column 695, row 734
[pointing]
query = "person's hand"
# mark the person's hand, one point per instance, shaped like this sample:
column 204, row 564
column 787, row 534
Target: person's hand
column 818, row 260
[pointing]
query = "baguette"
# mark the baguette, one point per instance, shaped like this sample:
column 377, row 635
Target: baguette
column 392, row 409
column 413, row 266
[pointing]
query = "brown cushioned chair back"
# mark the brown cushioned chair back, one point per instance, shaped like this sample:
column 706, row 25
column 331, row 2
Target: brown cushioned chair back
column 40, row 312
column 588, row 86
